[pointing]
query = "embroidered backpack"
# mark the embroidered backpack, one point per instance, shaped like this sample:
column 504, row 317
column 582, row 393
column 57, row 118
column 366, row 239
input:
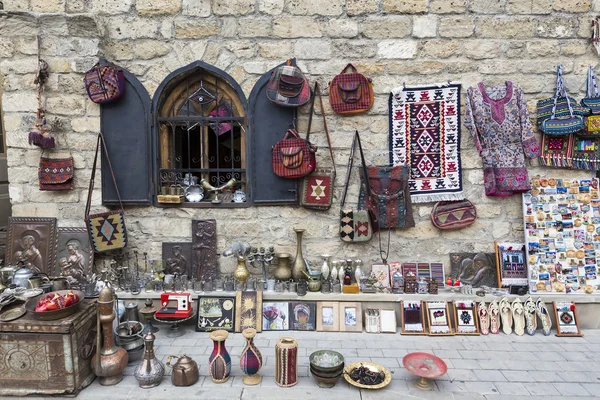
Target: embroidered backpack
column 350, row 92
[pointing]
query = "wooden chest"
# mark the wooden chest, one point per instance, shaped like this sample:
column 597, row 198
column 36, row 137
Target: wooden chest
column 48, row 357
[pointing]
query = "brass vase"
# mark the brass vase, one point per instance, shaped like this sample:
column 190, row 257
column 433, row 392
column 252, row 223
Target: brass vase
column 241, row 272
column 299, row 265
column 283, row 271
column 109, row 361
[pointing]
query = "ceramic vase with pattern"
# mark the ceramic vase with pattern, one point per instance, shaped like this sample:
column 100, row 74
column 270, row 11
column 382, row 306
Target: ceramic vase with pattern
column 286, row 362
column 251, row 359
column 219, row 363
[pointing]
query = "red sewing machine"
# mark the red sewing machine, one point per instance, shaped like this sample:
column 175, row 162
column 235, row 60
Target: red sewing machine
column 174, row 306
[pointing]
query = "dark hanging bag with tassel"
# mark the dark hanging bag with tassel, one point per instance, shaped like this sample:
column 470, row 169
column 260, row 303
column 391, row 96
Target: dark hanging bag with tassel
column 41, row 135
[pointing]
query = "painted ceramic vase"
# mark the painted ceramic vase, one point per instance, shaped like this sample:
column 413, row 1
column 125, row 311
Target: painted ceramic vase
column 219, row 363
column 286, row 362
column 251, row 359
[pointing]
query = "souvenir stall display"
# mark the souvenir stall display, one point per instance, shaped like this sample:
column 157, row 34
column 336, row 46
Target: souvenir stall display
column 561, row 216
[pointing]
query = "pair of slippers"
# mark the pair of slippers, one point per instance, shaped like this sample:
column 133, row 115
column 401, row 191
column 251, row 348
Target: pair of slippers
column 523, row 316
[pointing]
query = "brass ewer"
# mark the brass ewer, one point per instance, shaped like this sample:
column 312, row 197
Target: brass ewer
column 109, row 361
column 241, row 272
column 185, row 371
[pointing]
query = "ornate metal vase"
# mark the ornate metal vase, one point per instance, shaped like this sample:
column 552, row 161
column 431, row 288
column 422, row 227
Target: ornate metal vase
column 109, row 361
column 150, row 371
column 283, row 271
column 241, row 272
column 219, row 363
column 251, row 359
column 299, row 266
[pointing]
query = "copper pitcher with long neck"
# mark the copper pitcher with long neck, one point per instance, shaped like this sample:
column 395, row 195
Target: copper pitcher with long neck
column 109, row 361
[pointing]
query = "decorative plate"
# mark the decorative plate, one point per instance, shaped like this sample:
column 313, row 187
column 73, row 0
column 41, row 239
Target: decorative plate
column 28, row 294
column 326, row 359
column 424, row 365
column 374, row 368
column 12, row 314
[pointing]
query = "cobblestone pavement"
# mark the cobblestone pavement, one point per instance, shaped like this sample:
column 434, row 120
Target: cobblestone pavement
column 479, row 367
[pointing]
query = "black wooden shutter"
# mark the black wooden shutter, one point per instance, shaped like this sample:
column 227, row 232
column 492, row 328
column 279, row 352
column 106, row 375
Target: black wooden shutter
column 269, row 123
column 126, row 128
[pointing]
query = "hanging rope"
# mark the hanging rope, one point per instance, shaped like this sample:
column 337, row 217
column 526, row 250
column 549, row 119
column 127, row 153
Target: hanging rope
column 40, row 135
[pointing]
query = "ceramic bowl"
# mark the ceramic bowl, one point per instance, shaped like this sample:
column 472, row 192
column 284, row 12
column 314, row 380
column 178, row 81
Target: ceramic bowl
column 326, row 361
column 326, row 382
column 328, row 374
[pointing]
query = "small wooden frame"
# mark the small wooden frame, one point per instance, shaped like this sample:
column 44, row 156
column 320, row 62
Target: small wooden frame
column 511, row 255
column 275, row 316
column 328, row 316
column 567, row 323
column 415, row 309
column 439, row 324
column 465, row 317
column 387, row 321
column 351, row 319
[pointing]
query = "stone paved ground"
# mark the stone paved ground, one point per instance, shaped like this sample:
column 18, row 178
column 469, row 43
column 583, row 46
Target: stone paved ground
column 484, row 367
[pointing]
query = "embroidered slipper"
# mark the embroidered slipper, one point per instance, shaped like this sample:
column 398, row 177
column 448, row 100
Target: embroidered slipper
column 542, row 313
column 506, row 316
column 530, row 318
column 518, row 316
column 484, row 318
column 493, row 312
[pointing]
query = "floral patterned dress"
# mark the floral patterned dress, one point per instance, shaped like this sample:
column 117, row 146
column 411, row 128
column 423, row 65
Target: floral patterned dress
column 498, row 118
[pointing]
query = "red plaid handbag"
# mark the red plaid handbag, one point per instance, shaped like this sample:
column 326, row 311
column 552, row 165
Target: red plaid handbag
column 104, row 83
column 288, row 86
column 317, row 188
column 350, row 92
column 293, row 157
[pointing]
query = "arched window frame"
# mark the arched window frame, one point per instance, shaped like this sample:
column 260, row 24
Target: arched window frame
column 171, row 95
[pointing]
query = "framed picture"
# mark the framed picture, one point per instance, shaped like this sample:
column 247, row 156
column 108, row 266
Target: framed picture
column 511, row 265
column 351, row 317
column 32, row 241
column 328, row 316
column 276, row 316
column 438, row 318
column 303, row 316
column 412, row 320
column 248, row 311
column 567, row 323
column 215, row 313
column 177, row 257
column 387, row 321
column 475, row 269
column 372, row 320
column 437, row 272
column 382, row 274
column 75, row 256
column 464, row 316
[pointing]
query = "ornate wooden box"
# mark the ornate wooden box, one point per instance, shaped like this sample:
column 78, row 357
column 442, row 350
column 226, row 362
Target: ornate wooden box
column 47, row 357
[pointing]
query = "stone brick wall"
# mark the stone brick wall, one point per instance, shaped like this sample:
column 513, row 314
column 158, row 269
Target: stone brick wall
column 392, row 41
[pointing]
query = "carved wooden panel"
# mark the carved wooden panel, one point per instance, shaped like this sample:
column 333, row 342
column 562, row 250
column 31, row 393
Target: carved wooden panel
column 204, row 249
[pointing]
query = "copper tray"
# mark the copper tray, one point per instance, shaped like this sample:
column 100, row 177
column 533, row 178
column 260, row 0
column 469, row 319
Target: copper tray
column 373, row 367
column 56, row 314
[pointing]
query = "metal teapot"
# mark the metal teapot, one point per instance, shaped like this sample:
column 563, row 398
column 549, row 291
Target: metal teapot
column 185, row 371
column 21, row 277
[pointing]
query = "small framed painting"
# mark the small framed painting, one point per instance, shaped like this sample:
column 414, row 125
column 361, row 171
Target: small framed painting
column 438, row 318
column 276, row 316
column 328, row 316
column 567, row 323
column 464, row 315
column 382, row 274
column 215, row 313
column 412, row 321
column 351, row 317
column 248, row 312
column 387, row 321
column 510, row 264
column 303, row 316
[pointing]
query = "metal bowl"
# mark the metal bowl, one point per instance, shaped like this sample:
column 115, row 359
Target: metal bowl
column 56, row 314
column 326, row 361
column 136, row 354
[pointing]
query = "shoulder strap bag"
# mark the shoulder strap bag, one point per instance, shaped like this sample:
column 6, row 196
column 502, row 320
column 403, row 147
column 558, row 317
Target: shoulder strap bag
column 356, row 225
column 351, row 92
column 107, row 229
column 563, row 125
column 317, row 188
column 56, row 173
column 104, row 83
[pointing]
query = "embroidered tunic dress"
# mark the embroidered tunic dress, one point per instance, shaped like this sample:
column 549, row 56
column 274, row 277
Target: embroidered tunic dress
column 499, row 121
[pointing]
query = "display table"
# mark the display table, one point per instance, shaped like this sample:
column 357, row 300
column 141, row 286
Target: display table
column 48, row 357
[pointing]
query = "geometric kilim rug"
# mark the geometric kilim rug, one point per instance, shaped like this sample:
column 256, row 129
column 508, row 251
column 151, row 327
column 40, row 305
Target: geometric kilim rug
column 425, row 135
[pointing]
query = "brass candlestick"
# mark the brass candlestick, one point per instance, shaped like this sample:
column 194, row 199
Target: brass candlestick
column 148, row 314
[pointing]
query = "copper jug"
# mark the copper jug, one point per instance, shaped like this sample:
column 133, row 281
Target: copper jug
column 185, row 371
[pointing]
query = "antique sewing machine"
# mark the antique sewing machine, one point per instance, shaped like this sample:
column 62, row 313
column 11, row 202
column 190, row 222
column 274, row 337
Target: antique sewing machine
column 174, row 306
